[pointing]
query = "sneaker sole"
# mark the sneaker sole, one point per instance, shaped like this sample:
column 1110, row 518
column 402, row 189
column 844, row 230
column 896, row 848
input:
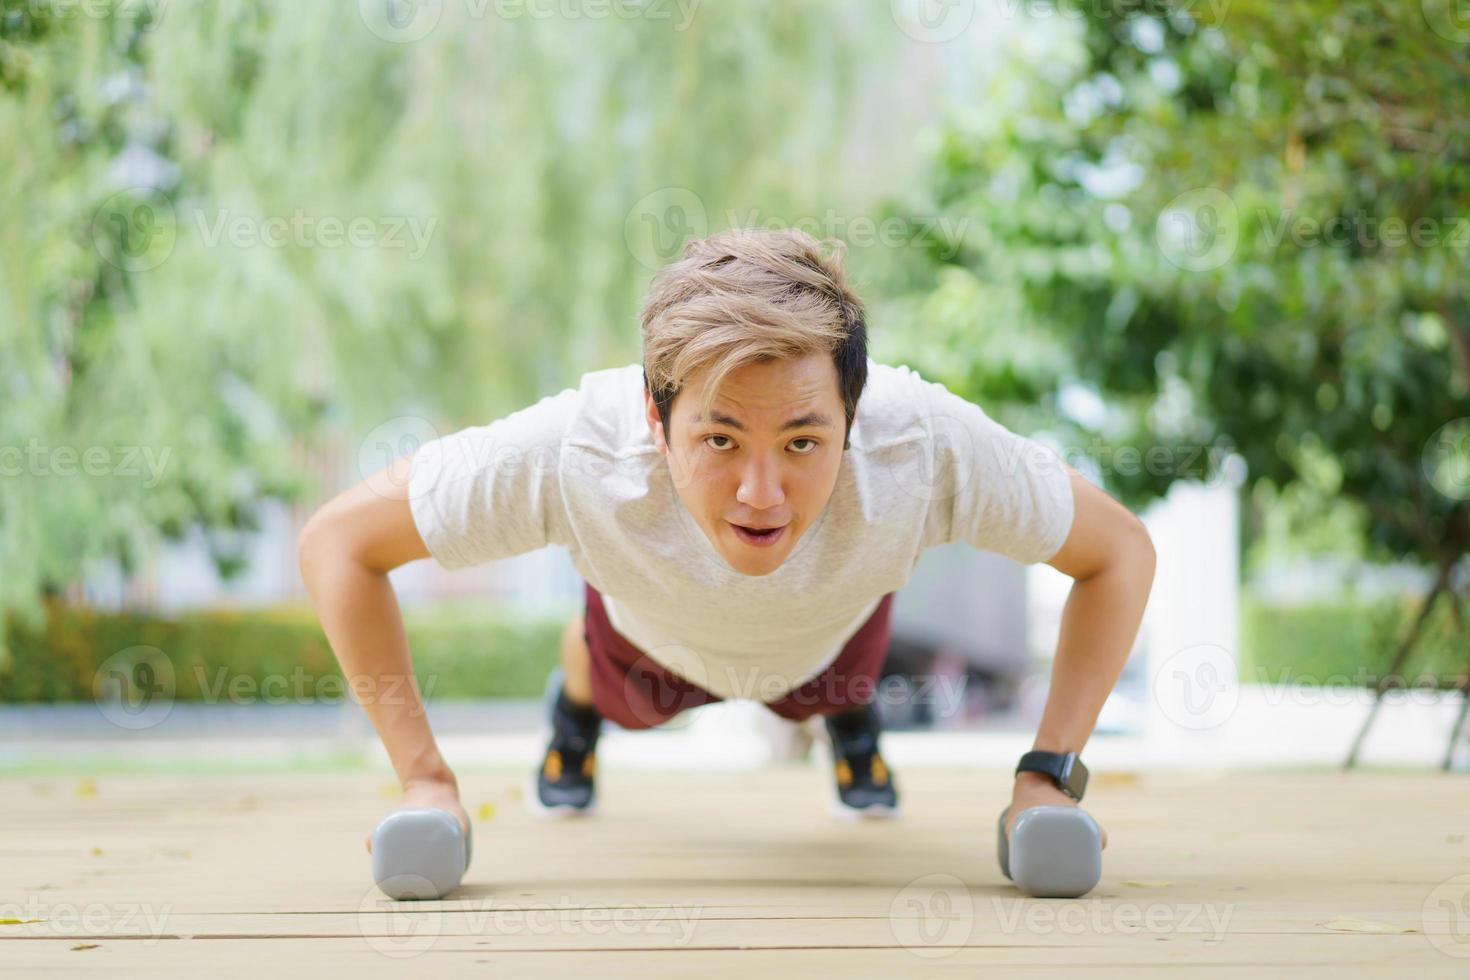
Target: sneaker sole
column 853, row 814
column 563, row 811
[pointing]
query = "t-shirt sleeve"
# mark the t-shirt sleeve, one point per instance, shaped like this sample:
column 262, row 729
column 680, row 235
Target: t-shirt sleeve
column 990, row 487
column 493, row 491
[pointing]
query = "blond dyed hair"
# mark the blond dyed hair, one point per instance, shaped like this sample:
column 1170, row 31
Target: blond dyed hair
column 742, row 297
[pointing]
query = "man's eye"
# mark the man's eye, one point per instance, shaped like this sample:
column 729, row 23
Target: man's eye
column 807, row 451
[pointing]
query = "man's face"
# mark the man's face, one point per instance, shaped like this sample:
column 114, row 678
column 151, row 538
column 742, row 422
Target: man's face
column 767, row 456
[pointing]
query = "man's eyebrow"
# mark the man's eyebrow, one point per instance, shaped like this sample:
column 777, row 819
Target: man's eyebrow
column 808, row 421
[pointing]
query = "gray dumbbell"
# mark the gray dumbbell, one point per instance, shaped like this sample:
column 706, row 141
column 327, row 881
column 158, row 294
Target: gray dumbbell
column 1054, row 851
column 420, row 853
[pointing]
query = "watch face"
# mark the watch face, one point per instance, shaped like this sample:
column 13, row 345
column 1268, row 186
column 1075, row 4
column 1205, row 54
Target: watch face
column 1075, row 779
column 1065, row 770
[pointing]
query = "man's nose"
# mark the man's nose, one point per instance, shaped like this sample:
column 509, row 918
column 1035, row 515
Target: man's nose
column 760, row 485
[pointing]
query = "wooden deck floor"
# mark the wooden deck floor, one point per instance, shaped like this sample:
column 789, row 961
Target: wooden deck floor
column 741, row 875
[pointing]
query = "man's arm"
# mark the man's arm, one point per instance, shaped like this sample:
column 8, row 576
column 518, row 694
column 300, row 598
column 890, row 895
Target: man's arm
column 1110, row 558
column 345, row 552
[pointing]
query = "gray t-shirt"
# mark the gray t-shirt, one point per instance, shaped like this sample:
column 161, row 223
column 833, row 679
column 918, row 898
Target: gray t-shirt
column 580, row 469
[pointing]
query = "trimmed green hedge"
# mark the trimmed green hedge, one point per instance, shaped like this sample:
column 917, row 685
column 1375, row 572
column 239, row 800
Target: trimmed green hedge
column 487, row 651
column 458, row 652
column 1347, row 643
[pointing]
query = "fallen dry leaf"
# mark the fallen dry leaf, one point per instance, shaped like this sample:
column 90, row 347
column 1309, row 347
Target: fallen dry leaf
column 18, row 922
column 1349, row 924
column 96, row 852
column 87, row 787
column 84, row 946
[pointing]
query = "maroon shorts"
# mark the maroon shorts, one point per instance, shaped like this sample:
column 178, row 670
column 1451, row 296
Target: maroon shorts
column 631, row 690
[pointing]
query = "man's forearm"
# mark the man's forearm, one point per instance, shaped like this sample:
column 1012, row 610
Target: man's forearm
column 360, row 615
column 1099, row 624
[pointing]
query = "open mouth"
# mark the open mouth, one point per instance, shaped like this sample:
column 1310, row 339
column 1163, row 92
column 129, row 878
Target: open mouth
column 759, row 538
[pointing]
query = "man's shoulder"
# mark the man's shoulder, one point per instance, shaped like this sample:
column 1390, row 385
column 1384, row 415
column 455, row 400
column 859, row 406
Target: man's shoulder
column 893, row 407
column 609, row 411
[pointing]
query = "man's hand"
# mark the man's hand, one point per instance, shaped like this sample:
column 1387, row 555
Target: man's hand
column 1037, row 789
column 440, row 794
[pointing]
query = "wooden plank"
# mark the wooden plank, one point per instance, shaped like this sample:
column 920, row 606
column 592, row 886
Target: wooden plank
column 1282, row 957
column 175, row 875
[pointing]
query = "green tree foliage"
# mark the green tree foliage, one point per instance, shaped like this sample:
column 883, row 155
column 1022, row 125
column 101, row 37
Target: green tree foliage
column 1246, row 226
column 171, row 173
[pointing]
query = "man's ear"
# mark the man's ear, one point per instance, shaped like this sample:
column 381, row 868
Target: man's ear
column 655, row 424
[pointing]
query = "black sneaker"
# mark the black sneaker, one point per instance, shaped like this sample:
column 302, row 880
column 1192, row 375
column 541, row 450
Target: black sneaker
column 863, row 783
column 565, row 781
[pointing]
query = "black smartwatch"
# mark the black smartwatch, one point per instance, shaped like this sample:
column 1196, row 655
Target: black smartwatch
column 1064, row 768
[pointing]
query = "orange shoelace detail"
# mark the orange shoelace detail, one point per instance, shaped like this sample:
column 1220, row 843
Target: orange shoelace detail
column 552, row 767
